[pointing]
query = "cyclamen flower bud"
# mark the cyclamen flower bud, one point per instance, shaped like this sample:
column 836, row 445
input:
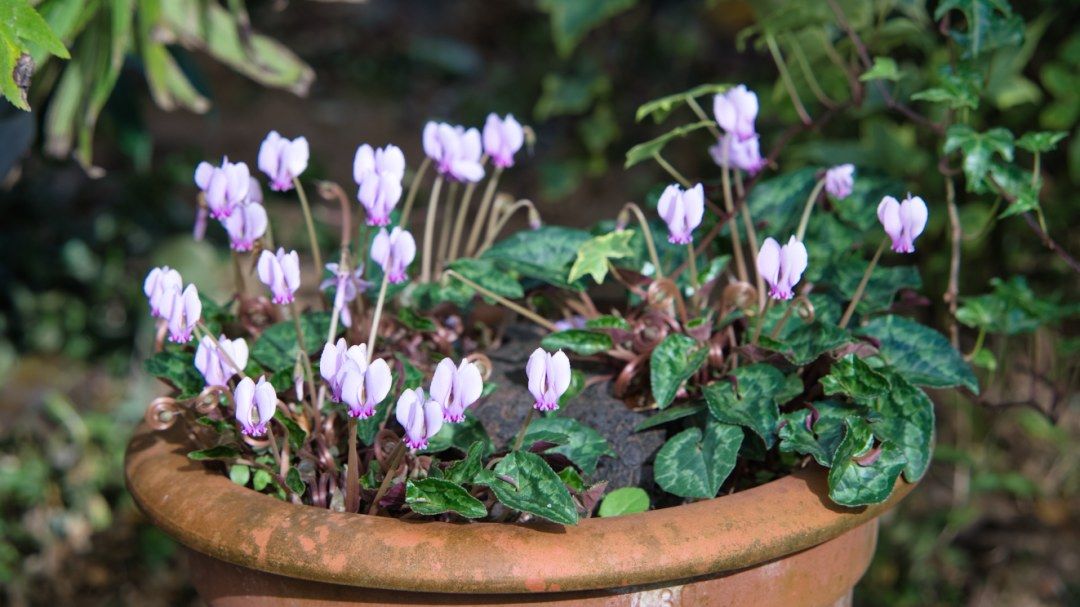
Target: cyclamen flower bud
column 455, row 151
column 225, row 187
column 182, row 312
column 249, row 398
column 245, row 225
column 744, row 155
column 502, row 139
column 682, row 211
column 782, row 267
column 379, row 194
column 903, row 221
column 333, row 362
column 419, row 416
column 364, row 386
column 394, row 251
column 280, row 272
column 456, row 388
column 383, row 161
column 549, row 378
column 159, row 284
column 283, row 160
column 839, row 181
column 213, row 366
column 736, row 110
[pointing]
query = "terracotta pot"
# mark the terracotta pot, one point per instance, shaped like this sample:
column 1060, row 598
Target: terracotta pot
column 782, row 543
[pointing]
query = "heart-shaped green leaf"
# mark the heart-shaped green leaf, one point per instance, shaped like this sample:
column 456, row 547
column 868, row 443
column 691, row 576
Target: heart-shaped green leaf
column 693, row 464
column 753, row 404
column 431, row 496
column 673, row 362
column 859, row 477
column 524, row 481
column 922, row 355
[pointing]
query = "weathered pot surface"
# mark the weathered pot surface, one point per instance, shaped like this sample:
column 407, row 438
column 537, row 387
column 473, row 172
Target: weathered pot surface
column 783, row 543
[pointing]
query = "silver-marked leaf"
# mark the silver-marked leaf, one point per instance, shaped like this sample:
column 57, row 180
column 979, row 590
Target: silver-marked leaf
column 753, row 403
column 920, row 354
column 583, row 445
column 695, row 464
column 820, row 438
column 858, row 476
column 905, row 416
column 582, row 341
column 851, row 376
column 431, row 496
column 673, row 362
column 524, row 481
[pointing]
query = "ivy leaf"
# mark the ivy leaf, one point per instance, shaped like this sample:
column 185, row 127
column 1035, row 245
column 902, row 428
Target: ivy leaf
column 957, row 90
column 852, row 483
column 177, row 367
column 990, row 25
column 1016, row 182
column 430, row 496
column 544, row 254
column 673, row 362
column 807, row 342
column 276, row 347
column 660, row 108
column 221, row 452
column 571, row 19
column 594, row 255
column 820, row 439
column 905, row 416
column 692, row 464
column 851, row 376
column 626, row 500
column 884, row 68
column 978, row 150
column 754, row 404
column 581, row 341
column 669, row 415
column 583, row 445
column 1041, row 141
column 524, row 481
column 646, row 151
column 485, row 273
column 922, row 355
column 1011, row 308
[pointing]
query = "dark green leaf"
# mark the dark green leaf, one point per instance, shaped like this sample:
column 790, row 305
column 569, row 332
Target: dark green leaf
column 276, row 347
column 572, row 479
column 485, row 273
column 922, row 355
column 905, row 416
column 626, row 500
column 880, row 290
column 672, row 363
column 221, row 452
column 178, row 368
column 806, row 343
column 544, row 254
column 852, row 377
column 465, row 470
column 294, row 482
column 578, row 340
column 821, row 439
column 990, row 25
column 694, row 465
column 607, row 322
column 978, row 150
column 754, row 404
column 857, row 484
column 297, row 435
column 525, row 482
column 647, row 150
column 583, row 445
column 669, row 415
column 430, row 496
column 571, row 19
column 411, row 319
column 460, row 436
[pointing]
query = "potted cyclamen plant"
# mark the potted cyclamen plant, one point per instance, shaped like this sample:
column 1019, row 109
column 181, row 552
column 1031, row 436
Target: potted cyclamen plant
column 336, row 450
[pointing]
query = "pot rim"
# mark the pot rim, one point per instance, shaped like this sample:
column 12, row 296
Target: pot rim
column 207, row 512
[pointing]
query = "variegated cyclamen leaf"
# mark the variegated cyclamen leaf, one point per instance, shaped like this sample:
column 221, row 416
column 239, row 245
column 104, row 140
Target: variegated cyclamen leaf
column 851, row 376
column 821, row 438
column 524, row 481
column 672, row 363
column 695, row 464
column 432, row 496
column 859, row 477
column 922, row 355
column 583, row 445
column 905, row 416
column 753, row 404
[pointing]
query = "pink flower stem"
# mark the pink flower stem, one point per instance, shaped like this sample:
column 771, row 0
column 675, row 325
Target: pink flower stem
column 761, row 321
column 683, row 181
column 352, row 481
column 391, row 468
column 646, row 232
column 485, row 207
column 527, row 313
column 694, row 282
column 200, row 327
column 524, row 428
column 310, row 227
column 414, row 187
column 374, row 333
column 729, row 207
column 309, row 374
column 862, row 285
column 429, row 230
column 810, row 202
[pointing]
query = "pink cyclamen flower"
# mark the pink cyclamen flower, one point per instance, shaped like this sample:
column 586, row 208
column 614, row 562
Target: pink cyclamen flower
column 903, row 221
column 839, row 180
column 420, row 416
column 782, row 267
column 283, row 160
column 348, row 285
column 549, row 378
column 379, row 194
column 394, row 251
column 213, row 366
column 455, row 151
column 280, row 272
column 744, row 155
column 182, row 311
column 245, row 225
column 159, row 285
column 503, row 137
column 682, row 211
column 456, row 388
column 225, row 187
column 368, row 161
column 249, row 398
column 333, row 362
column 364, row 386
column 736, row 110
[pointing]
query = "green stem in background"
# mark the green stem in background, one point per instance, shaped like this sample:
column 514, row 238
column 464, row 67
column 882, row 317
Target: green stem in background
column 485, row 207
column 703, row 116
column 862, row 285
column 729, row 207
column 310, row 227
column 774, row 50
column 783, row 319
column 459, row 223
column 524, row 429
column 414, row 187
column 392, row 464
column 804, row 221
column 429, row 230
column 527, row 313
column 692, row 260
column 646, row 232
column 683, row 181
column 377, row 317
column 978, row 344
column 352, row 483
column 808, row 74
column 1036, row 169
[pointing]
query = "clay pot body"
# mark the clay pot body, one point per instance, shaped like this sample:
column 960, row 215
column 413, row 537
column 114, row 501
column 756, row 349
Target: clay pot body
column 782, row 543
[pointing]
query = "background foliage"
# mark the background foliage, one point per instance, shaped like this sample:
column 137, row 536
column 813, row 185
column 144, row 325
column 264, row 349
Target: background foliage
column 101, row 190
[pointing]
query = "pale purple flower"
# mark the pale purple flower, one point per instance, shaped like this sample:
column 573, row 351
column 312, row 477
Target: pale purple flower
column 283, row 160
column 736, row 110
column 782, row 267
column 682, row 210
column 368, row 161
column 379, row 194
column 333, row 364
column 839, row 180
column 225, row 187
column 744, row 155
column 503, row 137
column 249, row 398
column 419, row 416
column 182, row 311
column 245, row 225
column 903, row 221
column 364, row 386
column 280, row 272
column 394, row 251
column 455, row 151
column 213, row 366
column 549, row 378
column 159, row 285
column 348, row 285
column 456, row 388
column 576, row 321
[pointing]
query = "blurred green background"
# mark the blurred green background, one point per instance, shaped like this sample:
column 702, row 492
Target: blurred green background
column 96, row 188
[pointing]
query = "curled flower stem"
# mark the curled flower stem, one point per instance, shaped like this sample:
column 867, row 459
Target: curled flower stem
column 506, row 216
column 485, row 207
column 352, row 483
column 810, row 202
column 527, row 313
column 683, row 181
column 429, row 230
column 729, row 207
column 310, row 226
column 414, row 187
column 862, row 285
column 524, row 429
column 392, row 464
column 785, row 77
column 374, row 334
column 646, row 232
